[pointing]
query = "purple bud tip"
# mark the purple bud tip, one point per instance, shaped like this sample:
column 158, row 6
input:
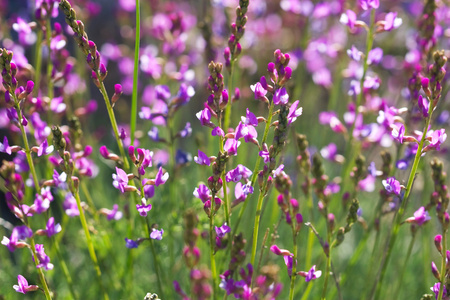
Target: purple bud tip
column 91, row 44
column 89, row 58
column 299, row 218
column 87, row 150
column 288, row 73
column 104, row 152
column 425, row 82
column 438, row 238
column 102, row 69
column 58, row 28
column 330, row 217
column 118, row 89
column 30, row 86
column 271, row 67
column 7, row 97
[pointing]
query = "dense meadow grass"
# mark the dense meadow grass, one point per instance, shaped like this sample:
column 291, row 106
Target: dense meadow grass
column 224, row 149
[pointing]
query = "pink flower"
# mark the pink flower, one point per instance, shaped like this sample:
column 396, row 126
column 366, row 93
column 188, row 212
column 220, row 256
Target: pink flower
column 313, row 274
column 421, row 216
column 23, row 286
column 202, row 158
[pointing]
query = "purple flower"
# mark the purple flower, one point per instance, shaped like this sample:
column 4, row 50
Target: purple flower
column 156, row 234
column 313, row 274
column 424, row 106
column 368, row 4
column 217, row 131
column 392, row 186
column 202, row 193
column 348, row 18
column 278, row 251
column 70, row 206
column 186, row 131
column 4, row 147
column 149, row 191
column 391, row 21
column 265, row 155
column 249, row 119
column 23, row 286
column 375, row 56
column 240, row 172
column 222, row 230
column 44, row 260
column 436, row 287
column 421, row 216
column 241, row 192
column 18, row 234
column 59, row 179
column 398, row 132
column 185, row 93
column 289, row 262
column 45, row 149
column 160, row 178
column 259, row 90
column 143, row 209
column 354, row 53
column 294, row 112
column 205, row 117
column 248, row 132
column 52, row 229
column 120, row 180
column 154, row 134
column 130, row 244
column 114, row 213
column 202, row 159
column 437, row 138
column 231, row 146
column 280, row 97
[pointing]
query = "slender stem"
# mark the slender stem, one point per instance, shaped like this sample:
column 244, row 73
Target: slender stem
column 396, row 227
column 135, row 73
column 294, row 264
column 255, row 170
column 65, row 270
column 443, row 264
column 226, row 201
column 27, row 148
column 158, row 274
column 327, row 272
column 402, row 273
column 307, row 291
column 112, row 118
column 48, row 37
column 38, row 62
column 211, row 249
column 40, row 272
column 89, row 243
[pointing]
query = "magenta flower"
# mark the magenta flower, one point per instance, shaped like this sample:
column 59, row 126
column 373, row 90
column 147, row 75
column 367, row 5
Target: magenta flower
column 240, row 172
column 278, row 251
column 348, row 18
column 113, row 214
column 391, row 21
column 231, row 146
column 354, row 53
column 44, row 260
column 205, row 117
column 421, row 216
column 160, row 177
column 392, row 186
column 217, row 131
column 313, row 274
column 143, row 209
column 248, row 132
column 368, row 4
column 398, row 132
column 259, row 90
column 241, row 192
column 23, row 286
column 436, row 287
column 4, row 147
column 202, row 193
column 294, row 112
column 18, row 234
column 202, row 159
column 156, row 234
column 70, row 206
column 375, row 56
column 424, row 106
column 437, row 138
column 52, row 229
column 222, row 230
column 120, row 180
column 249, row 119
column 280, row 97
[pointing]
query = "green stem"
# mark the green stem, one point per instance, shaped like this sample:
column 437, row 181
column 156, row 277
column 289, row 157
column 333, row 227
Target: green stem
column 156, row 263
column 38, row 63
column 402, row 273
column 89, row 242
column 40, row 272
column 327, row 272
column 227, row 116
column 398, row 220
column 211, row 248
column 294, row 265
column 443, row 264
column 307, row 291
column 112, row 118
column 255, row 170
column 135, row 73
column 65, row 270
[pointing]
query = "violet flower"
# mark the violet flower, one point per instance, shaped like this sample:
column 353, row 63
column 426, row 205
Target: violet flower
column 120, row 180
column 348, row 18
column 392, row 186
column 143, row 209
column 259, row 90
column 294, row 112
column 249, row 119
column 156, row 234
column 375, row 56
column 313, row 274
column 231, row 146
column 205, row 117
column 391, row 21
column 354, row 53
column 4, row 147
column 240, row 172
column 70, row 206
column 52, row 229
column 202, row 159
column 18, row 234
column 44, row 260
column 421, row 216
column 202, row 193
column 23, row 286
column 368, row 4
column 217, row 131
column 160, row 177
column 222, row 230
column 130, row 244
column 437, row 138
column 281, row 97
column 424, row 106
